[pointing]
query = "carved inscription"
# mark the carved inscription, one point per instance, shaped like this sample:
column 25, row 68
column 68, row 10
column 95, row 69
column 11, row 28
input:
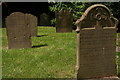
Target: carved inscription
column 97, row 53
column 96, row 43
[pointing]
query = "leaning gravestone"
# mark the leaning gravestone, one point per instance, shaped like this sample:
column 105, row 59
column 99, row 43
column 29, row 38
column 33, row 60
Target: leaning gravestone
column 18, row 31
column 96, row 37
column 64, row 20
column 32, row 22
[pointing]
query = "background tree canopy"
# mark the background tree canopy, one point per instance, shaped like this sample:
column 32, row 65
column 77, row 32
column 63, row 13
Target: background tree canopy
column 78, row 8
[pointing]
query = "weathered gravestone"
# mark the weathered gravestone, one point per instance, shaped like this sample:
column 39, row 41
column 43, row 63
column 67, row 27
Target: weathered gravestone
column 32, row 23
column 64, row 20
column 96, row 35
column 18, row 31
column 44, row 20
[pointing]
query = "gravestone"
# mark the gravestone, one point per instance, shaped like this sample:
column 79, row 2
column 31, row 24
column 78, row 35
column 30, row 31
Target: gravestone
column 96, row 39
column 18, row 31
column 32, row 22
column 44, row 20
column 64, row 20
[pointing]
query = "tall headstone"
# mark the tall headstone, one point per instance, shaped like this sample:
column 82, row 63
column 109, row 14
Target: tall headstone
column 32, row 23
column 64, row 20
column 96, row 39
column 18, row 31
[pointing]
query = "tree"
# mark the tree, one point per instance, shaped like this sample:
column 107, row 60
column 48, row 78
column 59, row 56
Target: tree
column 78, row 8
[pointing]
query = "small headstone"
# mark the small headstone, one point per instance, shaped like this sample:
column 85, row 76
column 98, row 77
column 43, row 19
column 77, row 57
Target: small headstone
column 96, row 33
column 64, row 20
column 32, row 23
column 17, row 31
column 44, row 20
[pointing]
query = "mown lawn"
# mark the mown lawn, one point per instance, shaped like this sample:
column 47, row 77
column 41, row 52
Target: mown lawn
column 53, row 56
column 118, row 53
column 118, row 42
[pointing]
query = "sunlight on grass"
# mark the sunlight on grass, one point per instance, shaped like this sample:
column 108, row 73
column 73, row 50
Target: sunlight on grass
column 52, row 56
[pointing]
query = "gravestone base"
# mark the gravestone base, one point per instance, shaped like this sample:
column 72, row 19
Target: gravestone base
column 105, row 78
column 63, row 30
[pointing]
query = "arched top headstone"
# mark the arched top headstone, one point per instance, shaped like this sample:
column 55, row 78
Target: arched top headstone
column 17, row 31
column 16, row 13
column 15, row 18
column 96, row 43
column 97, row 14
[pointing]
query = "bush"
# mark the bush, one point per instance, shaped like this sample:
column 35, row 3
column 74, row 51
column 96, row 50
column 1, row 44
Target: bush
column 77, row 8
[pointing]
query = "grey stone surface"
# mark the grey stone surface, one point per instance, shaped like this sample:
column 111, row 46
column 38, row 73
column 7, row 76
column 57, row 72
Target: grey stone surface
column 96, row 39
column 64, row 20
column 18, row 34
column 32, row 23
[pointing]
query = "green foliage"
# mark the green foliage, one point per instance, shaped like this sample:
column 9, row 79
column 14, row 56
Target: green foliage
column 77, row 8
column 118, row 41
column 113, row 6
column 53, row 21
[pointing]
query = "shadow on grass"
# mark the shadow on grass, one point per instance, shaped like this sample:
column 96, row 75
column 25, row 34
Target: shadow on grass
column 37, row 46
column 41, row 35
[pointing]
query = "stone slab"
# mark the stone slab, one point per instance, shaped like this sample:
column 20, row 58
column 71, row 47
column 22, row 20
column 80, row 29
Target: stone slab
column 96, row 38
column 64, row 20
column 18, row 34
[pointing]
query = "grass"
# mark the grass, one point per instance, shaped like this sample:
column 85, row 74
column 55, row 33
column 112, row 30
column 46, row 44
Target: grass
column 118, row 53
column 53, row 56
column 118, row 42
